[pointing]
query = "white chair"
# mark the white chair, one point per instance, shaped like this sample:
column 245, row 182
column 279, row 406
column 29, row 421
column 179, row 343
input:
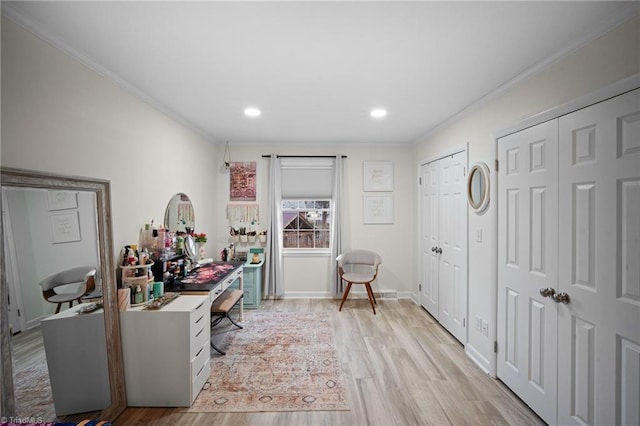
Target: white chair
column 359, row 267
column 85, row 276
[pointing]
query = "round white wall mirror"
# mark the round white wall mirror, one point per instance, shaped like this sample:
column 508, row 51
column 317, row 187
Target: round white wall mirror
column 478, row 187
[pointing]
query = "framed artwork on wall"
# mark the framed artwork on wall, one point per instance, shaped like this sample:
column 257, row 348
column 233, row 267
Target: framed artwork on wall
column 243, row 181
column 378, row 208
column 62, row 200
column 65, row 227
column 378, row 176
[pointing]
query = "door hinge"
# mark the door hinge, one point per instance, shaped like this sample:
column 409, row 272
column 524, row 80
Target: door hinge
column 464, row 171
column 495, row 346
column 497, row 163
column 419, row 181
column 19, row 313
column 464, row 322
column 419, row 287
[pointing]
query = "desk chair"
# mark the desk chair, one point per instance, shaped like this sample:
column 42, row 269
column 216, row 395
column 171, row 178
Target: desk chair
column 358, row 258
column 83, row 275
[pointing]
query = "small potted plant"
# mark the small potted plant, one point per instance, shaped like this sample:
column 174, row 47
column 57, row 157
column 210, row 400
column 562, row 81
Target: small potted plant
column 262, row 237
column 251, row 236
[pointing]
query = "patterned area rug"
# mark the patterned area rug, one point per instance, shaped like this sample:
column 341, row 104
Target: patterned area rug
column 33, row 392
column 280, row 361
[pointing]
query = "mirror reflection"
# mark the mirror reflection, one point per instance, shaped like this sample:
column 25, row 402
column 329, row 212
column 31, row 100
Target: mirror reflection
column 478, row 187
column 50, row 237
column 179, row 215
column 48, row 217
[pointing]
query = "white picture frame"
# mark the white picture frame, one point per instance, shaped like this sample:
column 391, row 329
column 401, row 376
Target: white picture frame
column 378, row 208
column 378, row 176
column 62, row 200
column 65, row 227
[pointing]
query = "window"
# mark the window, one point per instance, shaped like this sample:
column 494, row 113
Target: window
column 306, row 224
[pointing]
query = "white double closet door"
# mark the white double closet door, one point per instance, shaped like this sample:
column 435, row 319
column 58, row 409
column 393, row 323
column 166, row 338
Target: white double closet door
column 569, row 221
column 443, row 242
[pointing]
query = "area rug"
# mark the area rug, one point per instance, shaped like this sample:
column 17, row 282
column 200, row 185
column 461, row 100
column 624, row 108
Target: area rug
column 32, row 391
column 280, row 361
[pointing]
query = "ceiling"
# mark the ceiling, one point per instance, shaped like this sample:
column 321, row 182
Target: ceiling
column 316, row 69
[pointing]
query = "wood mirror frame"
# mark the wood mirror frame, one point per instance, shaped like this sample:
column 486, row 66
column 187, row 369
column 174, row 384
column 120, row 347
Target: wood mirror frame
column 480, row 202
column 101, row 188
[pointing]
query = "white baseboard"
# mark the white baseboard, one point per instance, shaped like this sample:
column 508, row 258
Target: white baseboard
column 479, row 360
column 355, row 294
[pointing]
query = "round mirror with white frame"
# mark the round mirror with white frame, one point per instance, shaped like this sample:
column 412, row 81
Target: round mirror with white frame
column 478, row 187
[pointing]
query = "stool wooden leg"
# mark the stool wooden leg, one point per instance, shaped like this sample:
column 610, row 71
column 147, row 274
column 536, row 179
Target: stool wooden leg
column 344, row 296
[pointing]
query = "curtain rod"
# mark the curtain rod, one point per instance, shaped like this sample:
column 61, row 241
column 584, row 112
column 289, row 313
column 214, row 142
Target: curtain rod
column 302, row 156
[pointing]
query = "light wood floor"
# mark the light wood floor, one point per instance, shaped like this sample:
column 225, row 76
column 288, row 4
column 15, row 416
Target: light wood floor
column 400, row 366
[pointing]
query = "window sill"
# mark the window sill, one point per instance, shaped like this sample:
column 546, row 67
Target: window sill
column 306, row 253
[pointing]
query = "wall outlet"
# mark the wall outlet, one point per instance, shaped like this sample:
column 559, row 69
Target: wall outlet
column 479, row 235
column 485, row 328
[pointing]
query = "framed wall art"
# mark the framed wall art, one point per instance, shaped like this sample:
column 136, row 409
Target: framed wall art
column 243, row 181
column 62, row 200
column 378, row 176
column 378, row 208
column 65, row 227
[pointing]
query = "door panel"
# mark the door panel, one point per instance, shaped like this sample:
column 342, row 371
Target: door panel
column 527, row 262
column 599, row 329
column 453, row 238
column 429, row 193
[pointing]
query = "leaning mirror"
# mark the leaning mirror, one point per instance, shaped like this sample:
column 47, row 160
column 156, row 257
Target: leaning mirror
column 72, row 211
column 478, row 187
column 179, row 215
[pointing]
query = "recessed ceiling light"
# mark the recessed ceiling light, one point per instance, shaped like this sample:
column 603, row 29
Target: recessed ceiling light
column 252, row 112
column 378, row 113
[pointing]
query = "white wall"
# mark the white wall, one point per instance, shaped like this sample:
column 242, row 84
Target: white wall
column 602, row 62
column 307, row 276
column 59, row 116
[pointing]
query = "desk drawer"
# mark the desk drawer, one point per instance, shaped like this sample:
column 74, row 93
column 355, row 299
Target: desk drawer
column 200, row 371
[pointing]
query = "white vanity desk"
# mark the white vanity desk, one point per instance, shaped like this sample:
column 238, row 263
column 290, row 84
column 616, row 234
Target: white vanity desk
column 167, row 351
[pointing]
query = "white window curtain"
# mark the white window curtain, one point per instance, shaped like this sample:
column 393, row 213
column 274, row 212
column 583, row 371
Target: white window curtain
column 336, row 226
column 307, row 177
column 273, row 268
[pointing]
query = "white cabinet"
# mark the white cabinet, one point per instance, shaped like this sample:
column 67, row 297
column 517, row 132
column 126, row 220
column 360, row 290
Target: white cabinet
column 75, row 346
column 166, row 352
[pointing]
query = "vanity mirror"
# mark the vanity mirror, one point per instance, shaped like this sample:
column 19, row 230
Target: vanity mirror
column 478, row 187
column 100, row 192
column 179, row 215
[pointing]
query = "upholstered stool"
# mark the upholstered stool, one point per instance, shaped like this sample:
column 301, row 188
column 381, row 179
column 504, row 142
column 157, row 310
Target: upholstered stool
column 221, row 307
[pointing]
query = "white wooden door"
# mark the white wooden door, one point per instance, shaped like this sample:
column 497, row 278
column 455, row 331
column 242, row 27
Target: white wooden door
column 429, row 192
column 453, row 245
column 599, row 329
column 527, row 262
column 443, row 247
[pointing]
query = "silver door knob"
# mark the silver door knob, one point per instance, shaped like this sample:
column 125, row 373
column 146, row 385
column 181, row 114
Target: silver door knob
column 547, row 292
column 438, row 250
column 433, row 249
column 561, row 297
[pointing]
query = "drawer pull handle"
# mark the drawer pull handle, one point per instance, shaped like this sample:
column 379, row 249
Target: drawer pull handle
column 200, row 305
column 201, row 370
column 199, row 319
column 199, row 352
column 200, row 332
